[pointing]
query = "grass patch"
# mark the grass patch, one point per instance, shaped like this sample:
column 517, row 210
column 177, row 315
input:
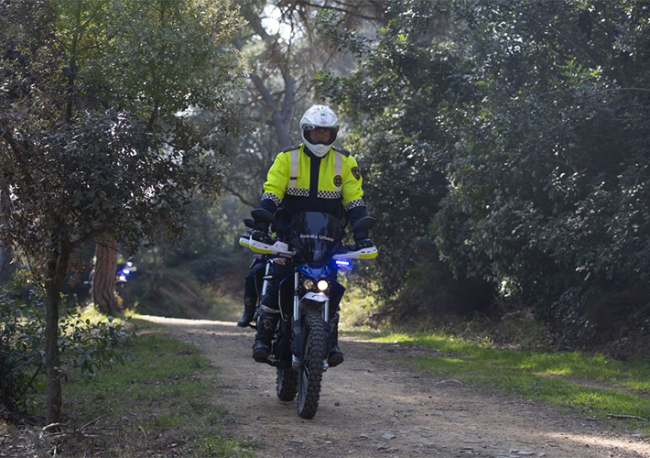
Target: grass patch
column 593, row 385
column 155, row 404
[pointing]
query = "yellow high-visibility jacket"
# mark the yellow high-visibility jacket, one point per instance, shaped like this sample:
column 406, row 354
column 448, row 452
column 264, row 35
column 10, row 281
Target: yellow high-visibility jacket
column 302, row 182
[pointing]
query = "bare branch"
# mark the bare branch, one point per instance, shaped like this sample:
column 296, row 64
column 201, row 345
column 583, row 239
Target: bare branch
column 243, row 199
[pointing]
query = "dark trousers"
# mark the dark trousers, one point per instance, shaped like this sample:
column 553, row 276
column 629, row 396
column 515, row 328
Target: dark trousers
column 253, row 282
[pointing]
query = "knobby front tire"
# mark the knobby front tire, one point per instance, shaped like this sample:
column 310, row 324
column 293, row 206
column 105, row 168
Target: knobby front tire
column 310, row 373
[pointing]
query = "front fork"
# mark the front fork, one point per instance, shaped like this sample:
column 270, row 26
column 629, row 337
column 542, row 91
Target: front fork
column 297, row 340
column 267, row 277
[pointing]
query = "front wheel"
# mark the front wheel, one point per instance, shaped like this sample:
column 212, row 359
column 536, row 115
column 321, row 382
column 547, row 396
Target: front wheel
column 286, row 384
column 310, row 373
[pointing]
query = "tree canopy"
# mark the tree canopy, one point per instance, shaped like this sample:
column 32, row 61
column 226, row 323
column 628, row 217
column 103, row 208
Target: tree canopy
column 526, row 123
column 114, row 113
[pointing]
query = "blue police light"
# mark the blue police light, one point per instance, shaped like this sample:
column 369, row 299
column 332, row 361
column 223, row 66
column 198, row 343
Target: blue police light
column 126, row 271
column 342, row 263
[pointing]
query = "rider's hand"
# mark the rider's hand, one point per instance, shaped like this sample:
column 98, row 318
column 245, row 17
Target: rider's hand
column 262, row 236
column 261, row 226
column 364, row 243
column 261, row 232
column 362, row 240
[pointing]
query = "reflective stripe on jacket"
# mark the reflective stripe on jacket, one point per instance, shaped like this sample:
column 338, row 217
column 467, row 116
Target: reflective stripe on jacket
column 338, row 178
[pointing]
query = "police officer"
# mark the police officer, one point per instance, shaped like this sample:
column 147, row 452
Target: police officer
column 312, row 176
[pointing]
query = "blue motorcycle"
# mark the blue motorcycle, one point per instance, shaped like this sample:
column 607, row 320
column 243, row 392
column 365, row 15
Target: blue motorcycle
column 301, row 344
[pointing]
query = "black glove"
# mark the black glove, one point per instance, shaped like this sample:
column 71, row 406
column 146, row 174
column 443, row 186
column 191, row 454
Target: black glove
column 362, row 240
column 262, row 236
column 261, row 226
column 364, row 243
column 360, row 235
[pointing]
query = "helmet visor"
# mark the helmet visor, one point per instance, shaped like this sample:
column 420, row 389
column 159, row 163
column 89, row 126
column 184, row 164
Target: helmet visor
column 317, row 135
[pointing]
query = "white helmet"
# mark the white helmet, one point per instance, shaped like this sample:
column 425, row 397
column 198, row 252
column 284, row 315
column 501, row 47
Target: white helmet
column 319, row 117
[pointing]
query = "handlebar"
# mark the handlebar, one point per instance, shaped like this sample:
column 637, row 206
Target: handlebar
column 282, row 249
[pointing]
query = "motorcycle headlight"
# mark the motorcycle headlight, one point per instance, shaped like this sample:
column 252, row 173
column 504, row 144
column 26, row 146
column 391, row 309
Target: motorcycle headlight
column 322, row 285
column 308, row 284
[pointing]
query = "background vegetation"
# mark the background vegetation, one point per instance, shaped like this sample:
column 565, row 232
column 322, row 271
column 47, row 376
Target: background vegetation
column 503, row 145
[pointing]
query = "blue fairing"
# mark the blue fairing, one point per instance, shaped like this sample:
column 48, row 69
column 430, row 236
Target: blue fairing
column 317, row 272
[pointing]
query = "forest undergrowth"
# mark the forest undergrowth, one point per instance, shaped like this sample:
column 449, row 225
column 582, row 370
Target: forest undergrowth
column 146, row 406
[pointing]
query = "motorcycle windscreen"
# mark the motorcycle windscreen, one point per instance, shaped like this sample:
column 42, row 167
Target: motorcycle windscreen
column 315, row 235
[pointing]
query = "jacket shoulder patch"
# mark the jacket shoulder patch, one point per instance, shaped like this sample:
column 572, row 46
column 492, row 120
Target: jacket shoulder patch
column 356, row 172
column 343, row 151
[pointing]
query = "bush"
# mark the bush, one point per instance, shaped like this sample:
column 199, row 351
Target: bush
column 21, row 351
column 83, row 344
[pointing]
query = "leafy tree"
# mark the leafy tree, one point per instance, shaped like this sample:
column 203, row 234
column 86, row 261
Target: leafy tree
column 114, row 113
column 551, row 171
column 405, row 80
column 534, row 113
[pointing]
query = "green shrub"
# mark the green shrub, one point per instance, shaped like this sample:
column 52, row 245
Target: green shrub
column 83, row 344
column 22, row 353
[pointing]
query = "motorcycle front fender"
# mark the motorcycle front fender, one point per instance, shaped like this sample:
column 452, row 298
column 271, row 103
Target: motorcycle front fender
column 316, row 297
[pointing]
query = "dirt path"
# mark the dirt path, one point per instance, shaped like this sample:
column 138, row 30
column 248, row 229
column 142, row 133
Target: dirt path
column 373, row 406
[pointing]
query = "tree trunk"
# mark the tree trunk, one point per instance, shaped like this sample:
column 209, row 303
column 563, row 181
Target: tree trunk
column 104, row 295
column 6, row 269
column 6, row 256
column 56, row 271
